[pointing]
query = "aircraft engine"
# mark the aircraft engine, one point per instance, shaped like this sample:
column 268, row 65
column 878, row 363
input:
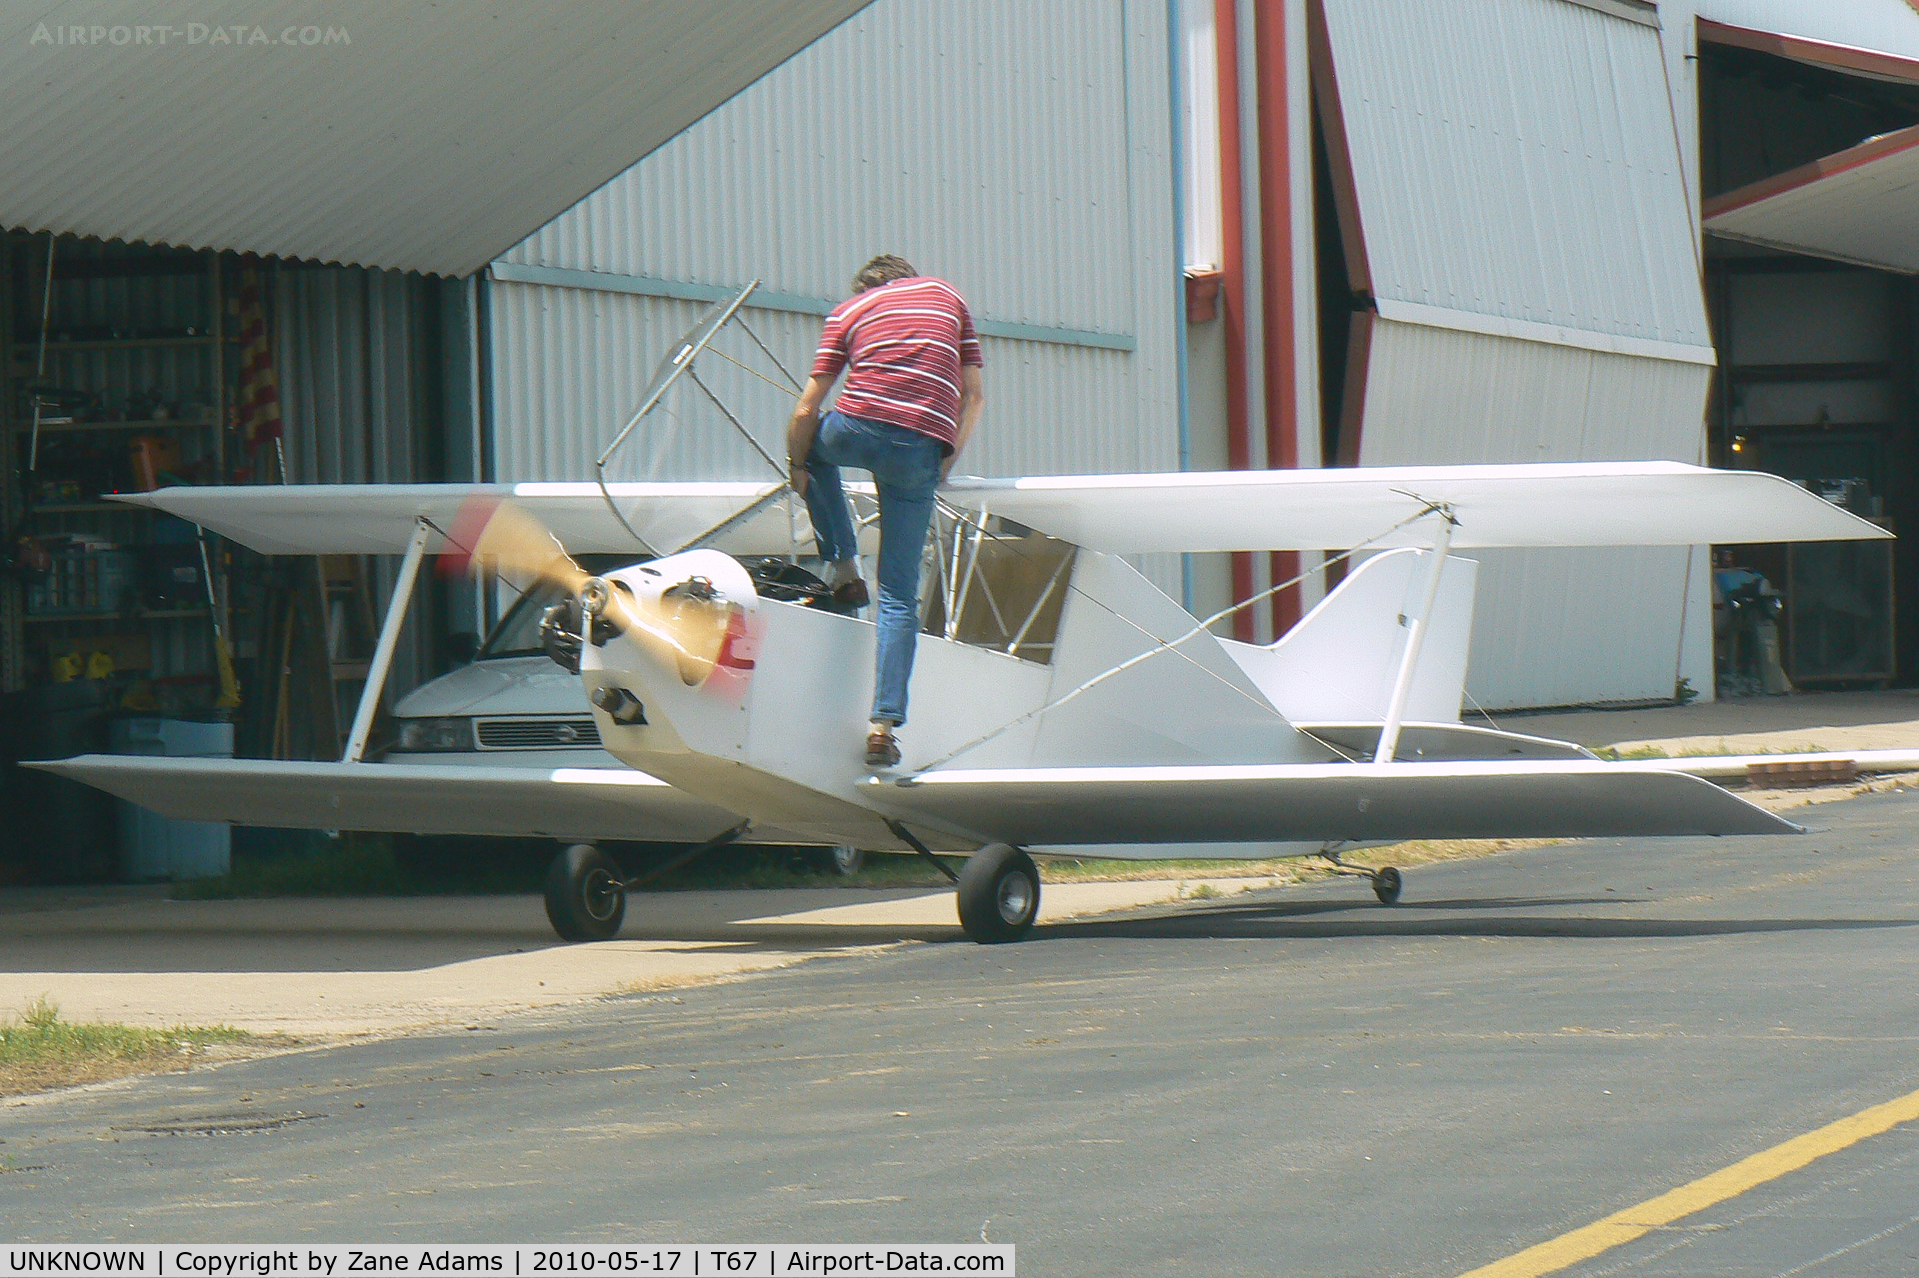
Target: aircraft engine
column 686, row 610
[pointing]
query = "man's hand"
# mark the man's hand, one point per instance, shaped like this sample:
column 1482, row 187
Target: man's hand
column 801, row 430
column 972, row 404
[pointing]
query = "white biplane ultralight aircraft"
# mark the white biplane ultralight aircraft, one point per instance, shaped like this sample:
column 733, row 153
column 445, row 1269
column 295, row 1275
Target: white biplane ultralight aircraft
column 1061, row 702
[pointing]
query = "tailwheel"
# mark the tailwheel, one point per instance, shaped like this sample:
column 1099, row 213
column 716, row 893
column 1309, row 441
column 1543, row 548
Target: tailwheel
column 1386, row 885
column 585, row 895
column 998, row 894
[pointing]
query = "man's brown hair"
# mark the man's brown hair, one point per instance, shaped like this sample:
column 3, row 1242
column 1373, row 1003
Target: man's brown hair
column 883, row 269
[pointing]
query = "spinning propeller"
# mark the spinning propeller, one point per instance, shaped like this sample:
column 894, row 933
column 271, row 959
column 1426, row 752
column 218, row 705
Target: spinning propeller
column 681, row 622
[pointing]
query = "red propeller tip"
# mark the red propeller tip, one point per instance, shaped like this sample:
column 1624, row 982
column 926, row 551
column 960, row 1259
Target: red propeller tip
column 456, row 559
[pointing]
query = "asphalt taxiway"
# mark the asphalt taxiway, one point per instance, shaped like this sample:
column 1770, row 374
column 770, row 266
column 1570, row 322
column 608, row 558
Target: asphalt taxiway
column 1294, row 1081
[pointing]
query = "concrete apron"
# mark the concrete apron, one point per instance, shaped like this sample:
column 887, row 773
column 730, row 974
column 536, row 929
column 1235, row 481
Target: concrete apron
column 328, row 968
column 334, row 967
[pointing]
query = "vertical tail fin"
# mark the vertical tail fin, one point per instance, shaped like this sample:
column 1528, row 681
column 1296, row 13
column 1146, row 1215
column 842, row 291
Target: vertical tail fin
column 1337, row 665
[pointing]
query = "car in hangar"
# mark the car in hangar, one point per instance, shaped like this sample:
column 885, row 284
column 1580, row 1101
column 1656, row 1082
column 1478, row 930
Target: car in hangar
column 513, row 707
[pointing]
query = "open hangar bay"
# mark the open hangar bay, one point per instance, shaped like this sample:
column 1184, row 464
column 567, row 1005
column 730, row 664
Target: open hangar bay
column 1292, row 1082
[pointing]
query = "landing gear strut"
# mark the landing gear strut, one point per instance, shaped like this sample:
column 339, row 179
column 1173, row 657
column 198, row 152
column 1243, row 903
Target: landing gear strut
column 1386, row 880
column 998, row 889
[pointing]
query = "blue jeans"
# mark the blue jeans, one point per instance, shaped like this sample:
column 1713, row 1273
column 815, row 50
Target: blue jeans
column 906, row 469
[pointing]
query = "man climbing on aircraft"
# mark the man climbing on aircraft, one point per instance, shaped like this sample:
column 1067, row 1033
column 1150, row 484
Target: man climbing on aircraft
column 912, row 397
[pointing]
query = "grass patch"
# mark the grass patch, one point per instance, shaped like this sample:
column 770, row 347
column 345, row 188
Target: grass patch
column 1720, row 751
column 38, row 1050
column 1428, row 851
column 1612, row 754
column 401, row 865
column 1282, row 869
column 1095, row 870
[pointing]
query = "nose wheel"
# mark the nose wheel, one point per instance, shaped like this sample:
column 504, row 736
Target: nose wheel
column 585, row 894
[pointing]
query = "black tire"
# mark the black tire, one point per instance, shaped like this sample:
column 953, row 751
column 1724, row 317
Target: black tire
column 998, row 894
column 1386, row 885
column 584, row 897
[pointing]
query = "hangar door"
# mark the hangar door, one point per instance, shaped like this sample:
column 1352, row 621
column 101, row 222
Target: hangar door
column 1525, row 288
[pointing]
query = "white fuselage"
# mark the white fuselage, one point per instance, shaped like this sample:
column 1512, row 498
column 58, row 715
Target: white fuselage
column 776, row 731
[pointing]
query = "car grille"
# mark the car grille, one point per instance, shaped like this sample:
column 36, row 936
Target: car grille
column 537, row 734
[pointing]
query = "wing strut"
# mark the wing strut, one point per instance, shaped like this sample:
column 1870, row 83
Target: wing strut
column 1415, row 635
column 908, row 837
column 389, row 637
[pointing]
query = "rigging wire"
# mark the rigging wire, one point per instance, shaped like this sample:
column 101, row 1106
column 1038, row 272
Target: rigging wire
column 748, row 368
column 1430, row 507
column 1482, row 712
column 962, row 516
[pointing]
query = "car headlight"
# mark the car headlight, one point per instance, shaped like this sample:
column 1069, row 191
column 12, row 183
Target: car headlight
column 418, row 736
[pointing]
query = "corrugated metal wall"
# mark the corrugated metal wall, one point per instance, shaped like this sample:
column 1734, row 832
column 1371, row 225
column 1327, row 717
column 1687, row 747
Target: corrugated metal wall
column 1517, row 172
column 1518, row 160
column 358, row 369
column 1552, row 627
column 1018, row 148
column 353, row 383
column 572, row 363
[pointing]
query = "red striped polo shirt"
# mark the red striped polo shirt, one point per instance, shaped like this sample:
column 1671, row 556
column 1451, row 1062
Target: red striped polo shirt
column 902, row 345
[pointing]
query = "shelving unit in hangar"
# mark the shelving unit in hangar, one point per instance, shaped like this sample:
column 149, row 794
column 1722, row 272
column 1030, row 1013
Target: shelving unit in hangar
column 118, row 377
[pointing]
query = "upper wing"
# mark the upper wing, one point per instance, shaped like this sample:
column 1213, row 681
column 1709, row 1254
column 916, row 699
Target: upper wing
column 562, row 803
column 1556, row 504
column 369, row 519
column 1287, row 802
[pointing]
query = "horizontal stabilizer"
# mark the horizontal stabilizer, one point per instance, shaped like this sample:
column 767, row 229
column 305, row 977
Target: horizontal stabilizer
column 1442, row 742
column 563, row 803
column 1356, row 802
column 1652, row 503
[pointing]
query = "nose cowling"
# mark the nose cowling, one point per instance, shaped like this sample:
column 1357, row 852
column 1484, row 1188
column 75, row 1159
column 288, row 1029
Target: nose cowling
column 682, row 610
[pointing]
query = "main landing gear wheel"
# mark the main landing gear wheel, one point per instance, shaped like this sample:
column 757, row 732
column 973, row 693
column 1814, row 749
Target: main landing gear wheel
column 844, row 860
column 1386, row 885
column 998, row 894
column 585, row 896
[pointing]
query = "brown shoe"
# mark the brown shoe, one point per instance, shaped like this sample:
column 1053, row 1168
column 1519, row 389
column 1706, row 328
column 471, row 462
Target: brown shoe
column 850, row 596
column 882, row 749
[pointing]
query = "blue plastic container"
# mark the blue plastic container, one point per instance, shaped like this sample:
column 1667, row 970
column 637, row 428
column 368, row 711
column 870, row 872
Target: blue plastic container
column 153, row 847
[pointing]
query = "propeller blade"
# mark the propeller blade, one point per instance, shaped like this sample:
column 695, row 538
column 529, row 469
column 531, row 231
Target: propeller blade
column 518, row 545
column 685, row 627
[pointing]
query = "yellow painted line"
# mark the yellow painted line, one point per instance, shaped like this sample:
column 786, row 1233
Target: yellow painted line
column 1635, row 1222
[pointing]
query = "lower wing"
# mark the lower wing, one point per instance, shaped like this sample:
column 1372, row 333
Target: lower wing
column 561, row 803
column 1357, row 802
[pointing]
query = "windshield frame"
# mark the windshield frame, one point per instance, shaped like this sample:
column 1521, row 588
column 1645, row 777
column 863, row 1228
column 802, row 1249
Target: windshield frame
column 537, row 599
